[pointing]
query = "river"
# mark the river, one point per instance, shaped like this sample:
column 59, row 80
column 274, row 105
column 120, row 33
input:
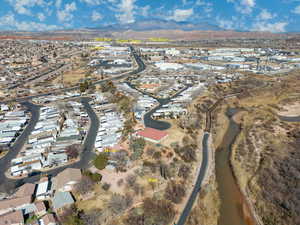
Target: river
column 233, row 209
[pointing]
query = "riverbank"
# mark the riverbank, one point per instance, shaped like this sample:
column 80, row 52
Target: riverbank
column 258, row 154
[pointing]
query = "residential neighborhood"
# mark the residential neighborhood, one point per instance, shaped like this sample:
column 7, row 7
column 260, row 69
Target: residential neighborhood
column 118, row 131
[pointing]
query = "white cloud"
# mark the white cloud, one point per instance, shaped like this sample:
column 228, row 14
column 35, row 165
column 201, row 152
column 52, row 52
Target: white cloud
column 66, row 14
column 234, row 23
column 243, row 6
column 145, row 10
column 96, row 16
column 226, row 24
column 92, row 2
column 249, row 3
column 297, row 10
column 200, row 2
column 23, row 6
column 41, row 17
column 271, row 27
column 181, row 14
column 33, row 26
column 58, row 3
column 10, row 23
column 8, row 20
column 126, row 9
column 266, row 15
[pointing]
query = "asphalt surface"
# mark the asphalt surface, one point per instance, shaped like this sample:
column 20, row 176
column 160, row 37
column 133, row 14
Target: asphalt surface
column 8, row 185
column 188, row 207
column 157, row 124
column 141, row 67
column 290, row 118
column 36, row 77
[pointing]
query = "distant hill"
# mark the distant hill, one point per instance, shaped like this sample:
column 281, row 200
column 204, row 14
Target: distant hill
column 156, row 24
column 146, row 29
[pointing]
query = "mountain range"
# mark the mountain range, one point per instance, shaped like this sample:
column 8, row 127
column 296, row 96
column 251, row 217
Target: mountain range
column 146, row 29
column 157, row 24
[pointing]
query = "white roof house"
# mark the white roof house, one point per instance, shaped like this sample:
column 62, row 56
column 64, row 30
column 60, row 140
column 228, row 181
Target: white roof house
column 168, row 66
column 43, row 190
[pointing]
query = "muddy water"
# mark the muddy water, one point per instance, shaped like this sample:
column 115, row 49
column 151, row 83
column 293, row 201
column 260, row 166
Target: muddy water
column 233, row 210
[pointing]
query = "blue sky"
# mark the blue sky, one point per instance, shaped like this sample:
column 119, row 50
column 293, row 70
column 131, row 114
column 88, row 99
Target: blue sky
column 254, row 15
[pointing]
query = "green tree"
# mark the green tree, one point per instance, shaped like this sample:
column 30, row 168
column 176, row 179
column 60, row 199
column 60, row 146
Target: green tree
column 95, row 177
column 84, row 86
column 100, row 162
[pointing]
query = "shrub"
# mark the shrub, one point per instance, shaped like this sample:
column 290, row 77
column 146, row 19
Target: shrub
column 175, row 192
column 73, row 151
column 156, row 155
column 100, row 162
column 184, row 171
column 95, row 177
column 137, row 146
column 159, row 212
column 106, row 186
column 118, row 203
column 85, row 185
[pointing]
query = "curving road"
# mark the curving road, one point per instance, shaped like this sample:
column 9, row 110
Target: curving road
column 9, row 185
column 148, row 120
column 203, row 169
column 6, row 184
column 141, row 67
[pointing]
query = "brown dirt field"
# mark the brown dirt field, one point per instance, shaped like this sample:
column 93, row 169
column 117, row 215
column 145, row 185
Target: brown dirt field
column 175, row 134
column 72, row 77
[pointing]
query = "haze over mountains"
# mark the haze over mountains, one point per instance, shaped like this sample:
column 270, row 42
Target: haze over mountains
column 157, row 24
column 146, row 29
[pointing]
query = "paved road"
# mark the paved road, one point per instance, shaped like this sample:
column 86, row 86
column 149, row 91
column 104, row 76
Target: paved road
column 9, row 185
column 290, row 118
column 141, row 67
column 5, row 184
column 35, row 77
column 204, row 165
column 148, row 121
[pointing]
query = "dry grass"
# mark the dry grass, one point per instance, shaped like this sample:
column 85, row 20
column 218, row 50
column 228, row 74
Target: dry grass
column 206, row 209
column 72, row 77
column 219, row 126
column 175, row 134
column 99, row 200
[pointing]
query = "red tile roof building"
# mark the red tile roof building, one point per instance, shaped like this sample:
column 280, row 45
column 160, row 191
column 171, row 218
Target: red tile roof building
column 151, row 134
